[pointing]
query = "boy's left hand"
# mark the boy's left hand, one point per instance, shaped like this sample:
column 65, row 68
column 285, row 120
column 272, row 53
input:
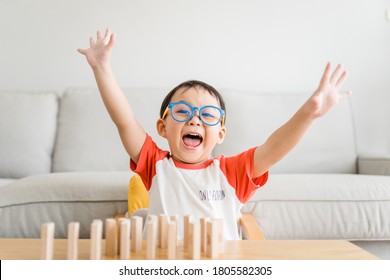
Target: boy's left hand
column 327, row 94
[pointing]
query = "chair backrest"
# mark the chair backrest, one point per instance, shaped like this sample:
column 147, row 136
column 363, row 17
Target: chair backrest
column 251, row 230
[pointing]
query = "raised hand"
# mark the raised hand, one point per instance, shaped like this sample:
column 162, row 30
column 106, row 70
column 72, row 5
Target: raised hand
column 327, row 94
column 99, row 51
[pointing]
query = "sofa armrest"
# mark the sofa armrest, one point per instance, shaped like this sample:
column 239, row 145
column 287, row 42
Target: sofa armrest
column 374, row 165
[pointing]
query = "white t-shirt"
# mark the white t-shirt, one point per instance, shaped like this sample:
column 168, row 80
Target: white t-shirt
column 217, row 188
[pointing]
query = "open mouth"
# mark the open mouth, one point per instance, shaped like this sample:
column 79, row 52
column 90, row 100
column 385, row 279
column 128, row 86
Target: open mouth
column 192, row 140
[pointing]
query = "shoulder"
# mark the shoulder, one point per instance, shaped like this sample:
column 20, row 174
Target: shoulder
column 239, row 159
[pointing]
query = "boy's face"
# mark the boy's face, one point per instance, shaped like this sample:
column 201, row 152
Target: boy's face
column 191, row 141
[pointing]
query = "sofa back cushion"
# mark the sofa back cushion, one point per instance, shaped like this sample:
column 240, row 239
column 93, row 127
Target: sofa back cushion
column 27, row 132
column 328, row 147
column 87, row 139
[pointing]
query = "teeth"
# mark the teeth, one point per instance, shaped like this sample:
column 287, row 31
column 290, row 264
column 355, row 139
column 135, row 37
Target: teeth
column 193, row 135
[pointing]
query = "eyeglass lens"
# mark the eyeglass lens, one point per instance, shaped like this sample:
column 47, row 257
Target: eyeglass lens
column 208, row 114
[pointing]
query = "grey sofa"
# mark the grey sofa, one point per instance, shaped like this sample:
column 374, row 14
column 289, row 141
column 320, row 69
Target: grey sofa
column 61, row 160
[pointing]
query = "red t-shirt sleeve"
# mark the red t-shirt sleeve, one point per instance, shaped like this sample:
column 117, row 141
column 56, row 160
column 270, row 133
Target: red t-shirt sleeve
column 146, row 166
column 238, row 171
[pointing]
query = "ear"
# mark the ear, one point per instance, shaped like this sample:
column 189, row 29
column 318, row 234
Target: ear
column 221, row 135
column 161, row 128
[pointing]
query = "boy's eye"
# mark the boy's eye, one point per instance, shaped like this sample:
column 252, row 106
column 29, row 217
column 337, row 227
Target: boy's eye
column 210, row 113
column 207, row 115
column 183, row 112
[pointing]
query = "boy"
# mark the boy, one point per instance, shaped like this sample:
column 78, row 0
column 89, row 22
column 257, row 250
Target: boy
column 185, row 180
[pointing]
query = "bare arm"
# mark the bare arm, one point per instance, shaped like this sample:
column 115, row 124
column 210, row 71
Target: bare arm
column 284, row 139
column 98, row 56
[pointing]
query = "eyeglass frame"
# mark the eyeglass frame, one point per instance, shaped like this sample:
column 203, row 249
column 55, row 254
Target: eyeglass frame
column 193, row 108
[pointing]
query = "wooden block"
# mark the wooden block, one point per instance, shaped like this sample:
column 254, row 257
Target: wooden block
column 96, row 239
column 151, row 239
column 119, row 220
column 187, row 220
column 163, row 230
column 203, row 233
column 174, row 218
column 194, row 240
column 172, row 240
column 136, row 234
column 154, row 219
column 212, row 249
column 47, row 241
column 125, row 239
column 111, row 237
column 221, row 239
column 73, row 238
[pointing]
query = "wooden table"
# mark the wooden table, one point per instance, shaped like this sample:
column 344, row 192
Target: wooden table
column 30, row 249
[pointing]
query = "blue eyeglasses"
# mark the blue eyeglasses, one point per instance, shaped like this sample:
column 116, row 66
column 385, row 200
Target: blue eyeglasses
column 183, row 111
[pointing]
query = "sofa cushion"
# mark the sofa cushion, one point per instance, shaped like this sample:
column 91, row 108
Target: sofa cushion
column 61, row 198
column 28, row 128
column 328, row 147
column 4, row 181
column 320, row 206
column 88, row 139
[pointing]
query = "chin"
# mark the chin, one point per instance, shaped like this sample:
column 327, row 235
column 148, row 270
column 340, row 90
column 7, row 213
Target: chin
column 192, row 159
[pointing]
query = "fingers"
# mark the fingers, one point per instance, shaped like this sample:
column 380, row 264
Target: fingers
column 340, row 81
column 107, row 35
column 112, row 40
column 336, row 74
column 336, row 78
column 91, row 42
column 82, row 51
column 109, row 38
column 325, row 77
column 99, row 37
column 102, row 43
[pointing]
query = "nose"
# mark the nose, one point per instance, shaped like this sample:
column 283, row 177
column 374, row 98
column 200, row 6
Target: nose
column 195, row 120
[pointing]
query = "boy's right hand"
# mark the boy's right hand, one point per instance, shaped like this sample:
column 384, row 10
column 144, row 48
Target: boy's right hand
column 98, row 54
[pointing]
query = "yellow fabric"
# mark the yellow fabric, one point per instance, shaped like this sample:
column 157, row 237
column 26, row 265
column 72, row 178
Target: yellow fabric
column 138, row 196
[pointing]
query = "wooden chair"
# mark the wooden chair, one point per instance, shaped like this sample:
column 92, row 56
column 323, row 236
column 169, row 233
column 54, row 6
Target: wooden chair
column 251, row 230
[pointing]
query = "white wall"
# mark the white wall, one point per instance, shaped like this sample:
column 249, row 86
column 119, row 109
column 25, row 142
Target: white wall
column 263, row 45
